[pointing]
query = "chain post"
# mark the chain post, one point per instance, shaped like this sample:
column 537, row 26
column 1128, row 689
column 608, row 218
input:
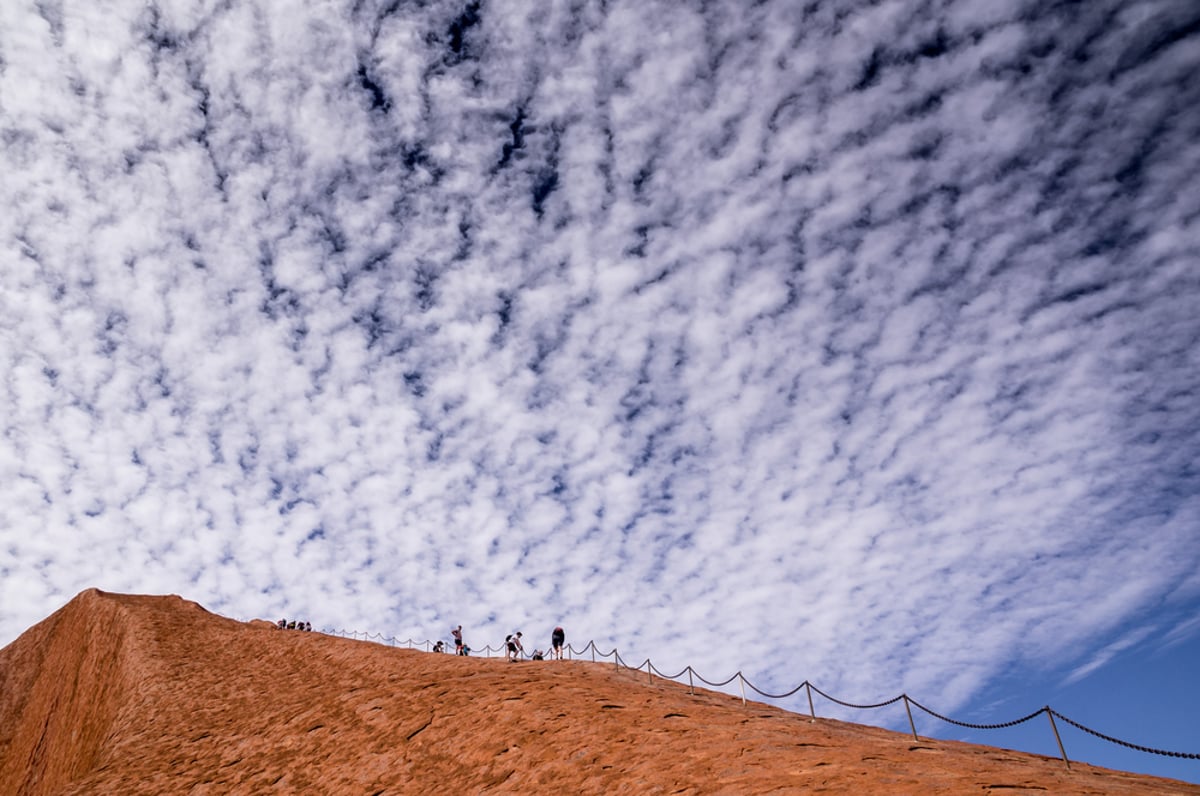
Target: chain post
column 908, row 710
column 742, row 683
column 649, row 672
column 808, row 688
column 1054, row 727
column 691, row 683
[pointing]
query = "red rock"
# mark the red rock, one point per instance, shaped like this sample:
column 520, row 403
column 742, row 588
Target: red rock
column 119, row 694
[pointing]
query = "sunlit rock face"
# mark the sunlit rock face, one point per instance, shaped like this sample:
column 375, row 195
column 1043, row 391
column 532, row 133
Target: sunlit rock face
column 154, row 695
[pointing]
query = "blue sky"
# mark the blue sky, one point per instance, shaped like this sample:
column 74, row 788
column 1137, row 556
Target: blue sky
column 845, row 341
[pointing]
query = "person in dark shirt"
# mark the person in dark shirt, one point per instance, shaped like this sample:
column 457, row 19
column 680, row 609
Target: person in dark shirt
column 458, row 642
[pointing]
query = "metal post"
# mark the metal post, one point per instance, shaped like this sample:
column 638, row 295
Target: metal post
column 811, row 712
column 616, row 659
column 592, row 644
column 742, row 683
column 691, row 684
column 1054, row 727
column 649, row 672
column 908, row 710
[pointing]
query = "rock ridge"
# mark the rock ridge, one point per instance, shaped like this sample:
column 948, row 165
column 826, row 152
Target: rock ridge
column 137, row 694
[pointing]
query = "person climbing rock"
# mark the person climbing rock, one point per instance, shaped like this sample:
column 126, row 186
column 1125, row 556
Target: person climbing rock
column 513, row 645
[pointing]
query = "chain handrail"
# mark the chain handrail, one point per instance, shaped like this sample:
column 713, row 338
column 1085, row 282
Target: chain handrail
column 891, row 701
column 656, row 670
column 735, row 676
column 756, row 689
column 1119, row 742
column 652, row 669
column 968, row 725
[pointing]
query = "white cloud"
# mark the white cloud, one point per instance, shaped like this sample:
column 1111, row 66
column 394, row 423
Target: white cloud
column 832, row 347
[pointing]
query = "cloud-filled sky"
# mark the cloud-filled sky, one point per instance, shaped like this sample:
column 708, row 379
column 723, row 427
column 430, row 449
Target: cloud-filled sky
column 849, row 341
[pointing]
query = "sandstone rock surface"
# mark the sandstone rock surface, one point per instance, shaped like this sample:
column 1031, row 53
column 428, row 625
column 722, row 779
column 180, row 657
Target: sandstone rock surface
column 122, row 694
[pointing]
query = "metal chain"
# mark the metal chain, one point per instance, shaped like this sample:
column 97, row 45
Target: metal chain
column 715, row 685
column 656, row 670
column 949, row 720
column 755, row 688
column 935, row 714
column 859, row 707
column 1110, row 739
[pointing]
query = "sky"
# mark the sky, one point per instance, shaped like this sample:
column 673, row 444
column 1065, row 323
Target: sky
column 845, row 341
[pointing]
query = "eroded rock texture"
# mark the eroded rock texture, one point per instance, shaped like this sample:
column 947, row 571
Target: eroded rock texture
column 120, row 694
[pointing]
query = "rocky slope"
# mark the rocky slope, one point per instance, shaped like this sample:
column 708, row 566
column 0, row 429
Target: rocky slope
column 119, row 694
